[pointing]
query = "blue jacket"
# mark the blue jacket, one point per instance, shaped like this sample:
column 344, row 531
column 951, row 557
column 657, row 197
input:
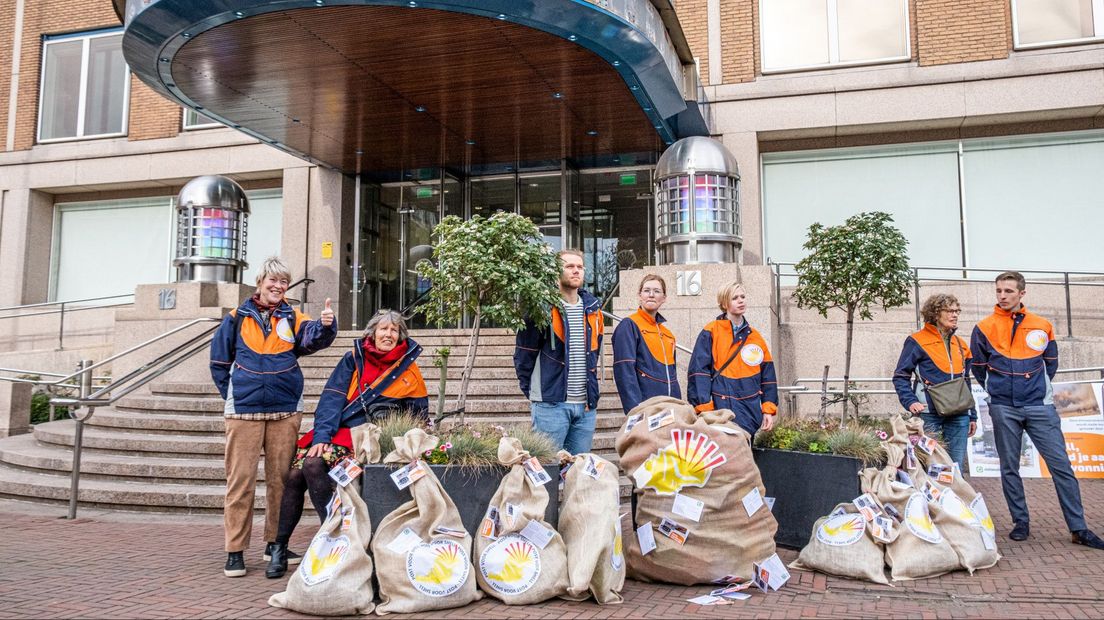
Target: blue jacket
column 257, row 369
column 747, row 386
column 928, row 356
column 347, row 403
column 540, row 358
column 644, row 360
column 1015, row 357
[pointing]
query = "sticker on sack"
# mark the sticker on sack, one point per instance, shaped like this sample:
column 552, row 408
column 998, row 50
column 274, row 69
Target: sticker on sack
column 617, row 558
column 687, row 462
column 842, row 530
column 982, row 512
column 510, row 565
column 918, row 520
column 437, row 568
column 322, row 558
column 953, row 505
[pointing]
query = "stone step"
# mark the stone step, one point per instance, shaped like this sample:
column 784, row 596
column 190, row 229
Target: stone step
column 62, row 432
column 118, row 494
column 490, row 403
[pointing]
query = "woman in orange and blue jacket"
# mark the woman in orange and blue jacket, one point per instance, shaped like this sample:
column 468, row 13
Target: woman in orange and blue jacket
column 732, row 368
column 644, row 349
column 379, row 377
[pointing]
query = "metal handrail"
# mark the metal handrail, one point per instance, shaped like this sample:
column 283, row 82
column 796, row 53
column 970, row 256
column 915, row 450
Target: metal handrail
column 61, row 310
column 306, row 282
column 797, row 388
column 1065, row 281
column 67, row 301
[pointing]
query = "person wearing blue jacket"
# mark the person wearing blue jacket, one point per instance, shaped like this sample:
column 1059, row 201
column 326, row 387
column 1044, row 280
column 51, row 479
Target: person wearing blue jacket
column 254, row 364
column 732, row 368
column 557, row 366
column 936, row 355
column 644, row 349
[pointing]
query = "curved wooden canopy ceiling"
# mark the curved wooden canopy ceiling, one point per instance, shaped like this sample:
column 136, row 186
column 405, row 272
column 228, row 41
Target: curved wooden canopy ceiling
column 411, row 88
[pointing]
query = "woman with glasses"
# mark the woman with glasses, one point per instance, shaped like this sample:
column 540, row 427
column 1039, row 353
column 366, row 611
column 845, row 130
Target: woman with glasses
column 378, row 378
column 936, row 355
column 644, row 349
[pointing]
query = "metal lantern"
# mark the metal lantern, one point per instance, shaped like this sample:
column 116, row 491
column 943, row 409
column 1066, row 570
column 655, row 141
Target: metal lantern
column 211, row 215
column 697, row 191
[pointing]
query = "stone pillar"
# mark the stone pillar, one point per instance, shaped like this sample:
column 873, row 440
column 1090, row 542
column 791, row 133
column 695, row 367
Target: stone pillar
column 15, row 408
column 26, row 231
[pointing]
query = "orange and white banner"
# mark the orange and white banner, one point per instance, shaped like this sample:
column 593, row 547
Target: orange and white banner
column 1081, row 408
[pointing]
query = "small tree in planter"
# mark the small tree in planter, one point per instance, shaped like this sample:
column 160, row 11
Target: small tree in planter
column 853, row 266
column 497, row 269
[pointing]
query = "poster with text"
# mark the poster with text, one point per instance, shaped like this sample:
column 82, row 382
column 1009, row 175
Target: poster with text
column 1081, row 409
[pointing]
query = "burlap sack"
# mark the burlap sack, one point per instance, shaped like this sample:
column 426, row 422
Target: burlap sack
column 709, row 459
column 591, row 529
column 842, row 546
column 914, row 427
column 509, row 566
column 335, row 575
column 435, row 573
column 920, row 550
column 975, row 545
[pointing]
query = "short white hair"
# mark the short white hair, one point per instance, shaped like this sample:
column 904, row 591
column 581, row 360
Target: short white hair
column 273, row 266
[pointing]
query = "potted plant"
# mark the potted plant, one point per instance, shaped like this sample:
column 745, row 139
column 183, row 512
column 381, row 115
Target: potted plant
column 465, row 461
column 809, row 468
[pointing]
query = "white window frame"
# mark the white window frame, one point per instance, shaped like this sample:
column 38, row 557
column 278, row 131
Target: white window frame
column 189, row 127
column 1098, row 30
column 833, row 44
column 86, row 41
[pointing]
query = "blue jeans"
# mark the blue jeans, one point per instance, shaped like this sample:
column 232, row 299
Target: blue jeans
column 954, row 431
column 1044, row 427
column 570, row 425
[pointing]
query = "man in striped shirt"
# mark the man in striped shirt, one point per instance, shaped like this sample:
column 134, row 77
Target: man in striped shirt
column 557, row 366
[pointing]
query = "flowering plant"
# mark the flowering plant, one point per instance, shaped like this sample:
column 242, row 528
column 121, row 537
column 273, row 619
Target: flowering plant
column 471, row 444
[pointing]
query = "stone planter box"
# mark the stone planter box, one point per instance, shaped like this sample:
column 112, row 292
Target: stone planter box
column 470, row 489
column 805, row 487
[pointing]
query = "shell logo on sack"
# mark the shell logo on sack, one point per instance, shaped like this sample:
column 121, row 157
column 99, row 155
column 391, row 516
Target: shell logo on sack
column 918, row 520
column 1037, row 340
column 953, row 505
column 752, row 354
column 617, row 558
column 437, row 568
column 842, row 530
column 510, row 565
column 982, row 512
column 284, row 331
column 686, row 462
column 323, row 557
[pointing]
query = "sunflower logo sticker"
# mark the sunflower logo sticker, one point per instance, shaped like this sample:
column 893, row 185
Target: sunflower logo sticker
column 510, row 565
column 1037, row 339
column 752, row 354
column 982, row 512
column 284, row 331
column 954, row 506
column 437, row 568
column 617, row 558
column 323, row 557
column 918, row 520
column 842, row 530
column 687, row 462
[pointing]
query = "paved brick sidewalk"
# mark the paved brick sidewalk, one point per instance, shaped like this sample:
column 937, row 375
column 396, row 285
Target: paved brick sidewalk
column 107, row 565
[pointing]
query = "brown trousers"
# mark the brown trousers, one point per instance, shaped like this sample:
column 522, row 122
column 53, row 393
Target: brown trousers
column 245, row 439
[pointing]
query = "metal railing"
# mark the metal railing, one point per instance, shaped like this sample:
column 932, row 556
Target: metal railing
column 62, row 309
column 1062, row 278
column 91, row 397
column 306, row 282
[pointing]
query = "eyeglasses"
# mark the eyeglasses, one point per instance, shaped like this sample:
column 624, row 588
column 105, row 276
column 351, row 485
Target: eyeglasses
column 653, row 292
column 955, row 311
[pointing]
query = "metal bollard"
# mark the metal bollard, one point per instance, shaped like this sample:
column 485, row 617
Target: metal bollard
column 78, row 437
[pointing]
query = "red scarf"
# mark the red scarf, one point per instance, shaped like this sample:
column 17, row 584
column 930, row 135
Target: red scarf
column 262, row 306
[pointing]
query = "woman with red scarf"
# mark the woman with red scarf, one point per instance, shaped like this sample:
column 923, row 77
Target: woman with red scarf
column 377, row 378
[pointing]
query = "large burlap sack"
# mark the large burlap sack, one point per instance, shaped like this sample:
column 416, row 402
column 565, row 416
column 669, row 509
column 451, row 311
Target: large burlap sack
column 842, row 545
column 707, row 458
column 975, row 545
column 335, row 575
column 422, row 551
column 509, row 566
column 904, row 430
column 920, row 550
column 591, row 529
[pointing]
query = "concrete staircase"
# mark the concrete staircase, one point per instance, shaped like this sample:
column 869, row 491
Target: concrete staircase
column 164, row 451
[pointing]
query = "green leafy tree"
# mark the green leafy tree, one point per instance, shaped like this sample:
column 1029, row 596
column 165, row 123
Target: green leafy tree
column 858, row 264
column 497, row 269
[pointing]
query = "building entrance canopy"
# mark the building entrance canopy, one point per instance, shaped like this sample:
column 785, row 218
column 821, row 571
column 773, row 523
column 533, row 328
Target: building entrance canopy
column 384, row 86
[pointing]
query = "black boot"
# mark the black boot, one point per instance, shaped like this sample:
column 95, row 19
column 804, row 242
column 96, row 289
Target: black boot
column 278, row 565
